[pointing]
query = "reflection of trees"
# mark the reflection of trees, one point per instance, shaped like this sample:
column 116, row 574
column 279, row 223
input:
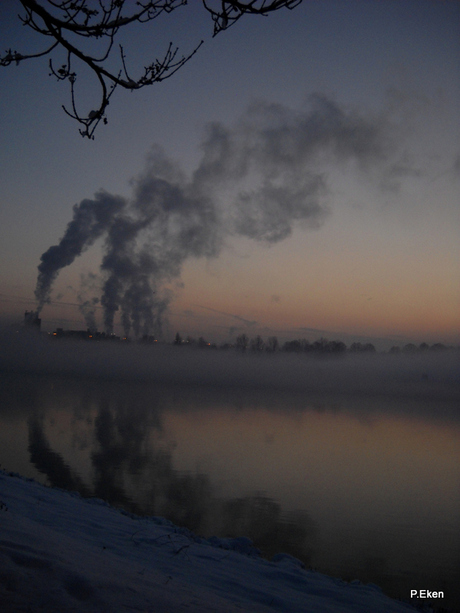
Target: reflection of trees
column 260, row 518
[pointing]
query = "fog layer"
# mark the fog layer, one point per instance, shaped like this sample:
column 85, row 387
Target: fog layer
column 424, row 375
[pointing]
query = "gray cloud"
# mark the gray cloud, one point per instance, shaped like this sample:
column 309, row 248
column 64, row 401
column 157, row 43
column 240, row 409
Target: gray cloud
column 258, row 179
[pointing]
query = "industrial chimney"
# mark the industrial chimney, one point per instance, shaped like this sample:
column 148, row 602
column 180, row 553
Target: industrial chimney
column 32, row 321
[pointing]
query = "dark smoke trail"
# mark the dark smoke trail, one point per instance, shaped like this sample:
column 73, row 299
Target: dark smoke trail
column 91, row 218
column 87, row 310
column 259, row 179
column 88, row 306
column 168, row 224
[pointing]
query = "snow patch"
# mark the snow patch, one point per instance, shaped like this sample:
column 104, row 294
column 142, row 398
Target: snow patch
column 60, row 552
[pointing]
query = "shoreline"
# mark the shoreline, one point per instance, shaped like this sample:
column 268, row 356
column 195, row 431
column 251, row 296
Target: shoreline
column 61, row 552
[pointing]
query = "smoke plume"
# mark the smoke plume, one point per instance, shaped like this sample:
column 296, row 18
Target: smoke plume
column 258, row 179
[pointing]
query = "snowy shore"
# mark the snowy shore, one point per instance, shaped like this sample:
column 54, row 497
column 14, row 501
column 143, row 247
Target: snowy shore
column 61, row 553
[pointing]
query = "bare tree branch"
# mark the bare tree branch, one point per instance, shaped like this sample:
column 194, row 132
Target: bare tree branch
column 66, row 22
column 228, row 12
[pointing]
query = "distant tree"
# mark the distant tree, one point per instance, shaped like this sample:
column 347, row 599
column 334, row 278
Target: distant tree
column 410, row 348
column 437, row 347
column 336, row 347
column 395, row 349
column 68, row 25
column 293, row 346
column 321, row 345
column 202, row 342
column 178, row 339
column 362, row 348
column 272, row 344
column 242, row 342
column 257, row 343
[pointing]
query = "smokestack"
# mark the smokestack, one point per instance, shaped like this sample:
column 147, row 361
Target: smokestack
column 32, row 321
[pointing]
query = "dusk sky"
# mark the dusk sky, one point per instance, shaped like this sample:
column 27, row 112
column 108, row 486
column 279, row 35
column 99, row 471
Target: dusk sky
column 320, row 147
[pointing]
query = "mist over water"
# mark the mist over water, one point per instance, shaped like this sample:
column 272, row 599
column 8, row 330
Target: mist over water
column 358, row 485
column 317, row 456
column 425, row 374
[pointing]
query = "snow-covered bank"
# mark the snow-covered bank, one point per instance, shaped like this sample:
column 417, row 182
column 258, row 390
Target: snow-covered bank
column 60, row 553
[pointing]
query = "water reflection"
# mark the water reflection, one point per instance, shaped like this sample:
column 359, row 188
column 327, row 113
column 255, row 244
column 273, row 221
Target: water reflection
column 358, row 487
column 261, row 518
column 120, row 436
column 51, row 463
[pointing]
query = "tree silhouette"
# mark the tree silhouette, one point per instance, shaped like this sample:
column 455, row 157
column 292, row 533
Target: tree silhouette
column 242, row 342
column 295, row 346
column 272, row 344
column 336, row 347
column 360, row 348
column 67, row 25
column 257, row 344
column 409, row 348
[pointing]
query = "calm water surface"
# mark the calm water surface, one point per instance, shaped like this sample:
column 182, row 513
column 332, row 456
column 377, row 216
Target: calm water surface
column 358, row 487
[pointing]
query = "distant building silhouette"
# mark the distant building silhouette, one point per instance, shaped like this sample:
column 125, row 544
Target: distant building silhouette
column 84, row 335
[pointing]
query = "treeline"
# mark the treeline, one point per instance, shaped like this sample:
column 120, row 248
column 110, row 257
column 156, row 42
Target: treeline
column 322, row 346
